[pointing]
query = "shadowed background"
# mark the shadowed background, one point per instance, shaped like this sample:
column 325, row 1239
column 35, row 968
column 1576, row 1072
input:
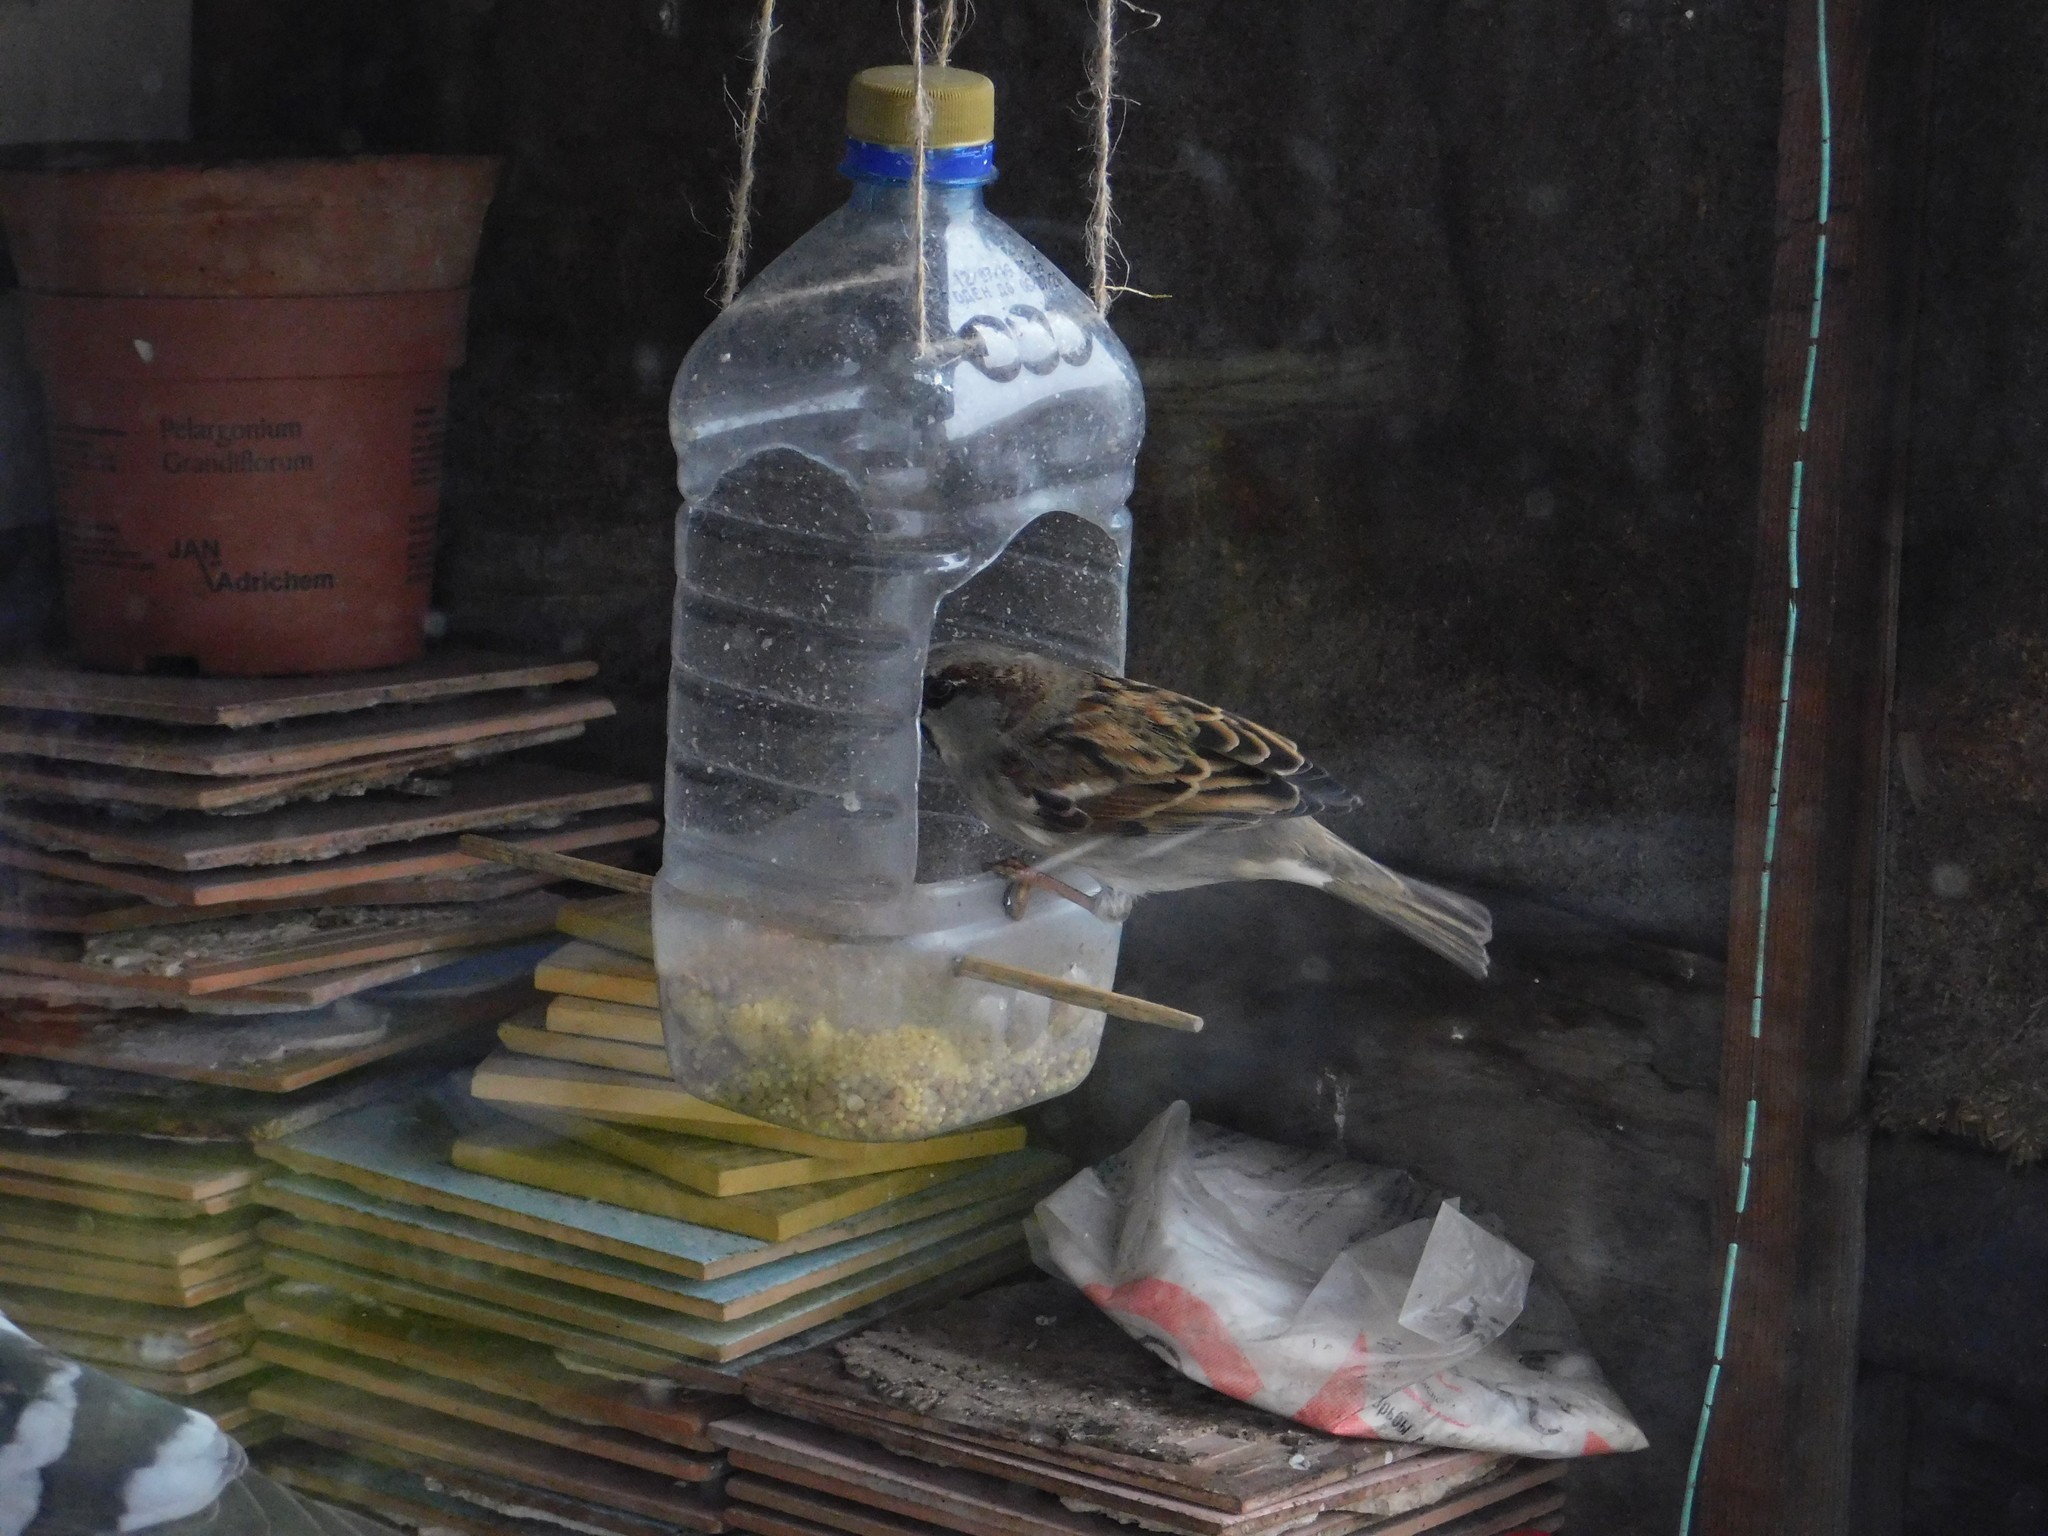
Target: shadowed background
column 1454, row 397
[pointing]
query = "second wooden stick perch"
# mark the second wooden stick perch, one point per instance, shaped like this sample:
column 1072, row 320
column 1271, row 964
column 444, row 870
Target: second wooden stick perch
column 1060, row 990
column 561, row 865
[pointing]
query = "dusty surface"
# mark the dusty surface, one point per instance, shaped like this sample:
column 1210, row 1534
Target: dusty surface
column 516, row 795
column 29, row 900
column 65, row 1096
column 173, row 951
column 196, row 1042
column 1038, row 1363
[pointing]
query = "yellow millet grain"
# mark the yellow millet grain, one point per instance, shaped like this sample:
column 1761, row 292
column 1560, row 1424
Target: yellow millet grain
column 897, row 1084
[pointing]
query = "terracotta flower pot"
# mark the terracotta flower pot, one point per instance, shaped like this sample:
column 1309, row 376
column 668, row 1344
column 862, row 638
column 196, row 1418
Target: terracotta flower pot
column 247, row 371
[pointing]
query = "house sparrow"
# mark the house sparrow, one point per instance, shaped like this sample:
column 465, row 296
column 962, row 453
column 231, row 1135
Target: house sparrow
column 1148, row 790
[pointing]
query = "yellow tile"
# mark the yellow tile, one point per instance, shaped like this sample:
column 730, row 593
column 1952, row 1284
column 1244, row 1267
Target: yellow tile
column 171, row 1169
column 729, row 1168
column 605, row 1021
column 624, row 923
column 771, row 1215
column 178, row 1244
column 649, row 1060
column 583, row 969
column 632, row 1098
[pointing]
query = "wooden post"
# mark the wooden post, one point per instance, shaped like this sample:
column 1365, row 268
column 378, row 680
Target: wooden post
column 1775, row 1451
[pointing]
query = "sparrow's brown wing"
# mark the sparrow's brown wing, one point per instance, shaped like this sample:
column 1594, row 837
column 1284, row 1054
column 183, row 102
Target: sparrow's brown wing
column 1134, row 760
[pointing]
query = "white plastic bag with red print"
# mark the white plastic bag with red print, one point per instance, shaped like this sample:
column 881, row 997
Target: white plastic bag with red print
column 1346, row 1297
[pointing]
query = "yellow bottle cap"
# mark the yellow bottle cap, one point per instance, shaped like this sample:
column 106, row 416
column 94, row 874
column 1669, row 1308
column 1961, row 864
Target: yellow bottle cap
column 880, row 106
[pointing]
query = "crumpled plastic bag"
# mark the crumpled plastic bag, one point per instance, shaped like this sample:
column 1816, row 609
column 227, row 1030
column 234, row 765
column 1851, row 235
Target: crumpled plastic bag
column 1345, row 1297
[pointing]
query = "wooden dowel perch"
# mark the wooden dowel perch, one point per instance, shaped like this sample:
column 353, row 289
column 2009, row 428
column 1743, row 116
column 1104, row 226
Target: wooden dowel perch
column 1060, row 990
column 589, row 871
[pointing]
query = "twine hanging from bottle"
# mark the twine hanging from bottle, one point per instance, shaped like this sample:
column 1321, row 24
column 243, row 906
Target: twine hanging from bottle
column 734, row 266
column 949, row 32
column 920, row 144
column 1101, row 87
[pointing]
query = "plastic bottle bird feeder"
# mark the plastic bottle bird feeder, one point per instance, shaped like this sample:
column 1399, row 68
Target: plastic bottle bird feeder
column 851, row 498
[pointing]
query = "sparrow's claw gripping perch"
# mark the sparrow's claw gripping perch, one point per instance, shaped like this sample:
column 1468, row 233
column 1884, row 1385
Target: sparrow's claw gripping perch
column 1024, row 879
column 1017, row 895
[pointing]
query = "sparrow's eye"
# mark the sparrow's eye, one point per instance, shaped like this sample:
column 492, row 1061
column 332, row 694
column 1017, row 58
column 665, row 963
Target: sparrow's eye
column 937, row 690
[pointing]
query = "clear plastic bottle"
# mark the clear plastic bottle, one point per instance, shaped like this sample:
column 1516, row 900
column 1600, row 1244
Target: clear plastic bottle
column 849, row 499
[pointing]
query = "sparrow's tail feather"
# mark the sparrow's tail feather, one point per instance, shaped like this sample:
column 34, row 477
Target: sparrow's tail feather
column 1455, row 926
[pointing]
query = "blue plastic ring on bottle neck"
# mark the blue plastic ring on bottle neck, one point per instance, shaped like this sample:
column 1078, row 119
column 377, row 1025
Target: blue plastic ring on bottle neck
column 966, row 165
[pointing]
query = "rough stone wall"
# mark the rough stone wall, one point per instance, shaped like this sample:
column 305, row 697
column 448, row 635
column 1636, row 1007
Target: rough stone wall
column 1454, row 393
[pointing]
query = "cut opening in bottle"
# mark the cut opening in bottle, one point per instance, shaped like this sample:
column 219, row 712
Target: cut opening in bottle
column 1057, row 589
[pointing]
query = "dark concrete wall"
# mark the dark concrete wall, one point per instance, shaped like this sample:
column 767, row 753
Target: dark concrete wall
column 1450, row 471
column 1454, row 387
column 1953, row 1301
column 1954, row 1326
column 1963, row 1044
column 1454, row 394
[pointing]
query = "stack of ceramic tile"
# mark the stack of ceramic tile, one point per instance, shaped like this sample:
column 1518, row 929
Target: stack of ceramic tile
column 585, row 1107
column 537, row 1286
column 488, row 1303
column 134, row 1257
column 128, row 1171
column 236, row 845
column 1023, row 1412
